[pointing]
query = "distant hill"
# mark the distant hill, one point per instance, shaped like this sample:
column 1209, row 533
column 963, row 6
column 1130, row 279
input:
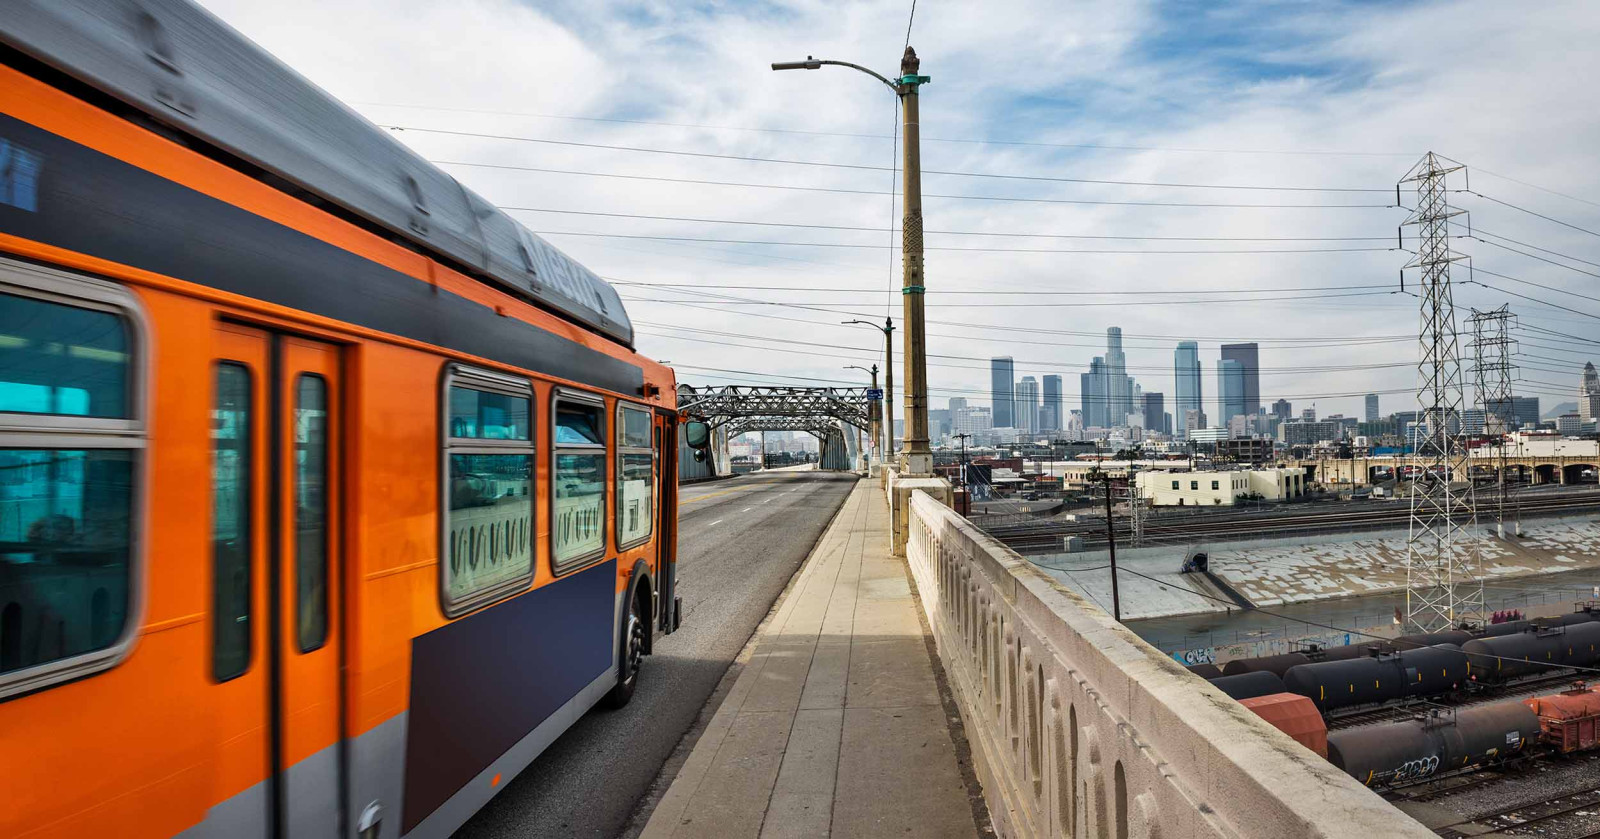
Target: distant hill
column 1563, row 408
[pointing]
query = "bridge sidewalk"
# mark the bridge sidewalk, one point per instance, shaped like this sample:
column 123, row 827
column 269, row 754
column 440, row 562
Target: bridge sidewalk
column 835, row 726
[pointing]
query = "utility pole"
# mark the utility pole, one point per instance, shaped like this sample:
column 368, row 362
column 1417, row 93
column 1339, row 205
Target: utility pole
column 965, row 485
column 1444, row 581
column 1111, row 545
column 1492, row 346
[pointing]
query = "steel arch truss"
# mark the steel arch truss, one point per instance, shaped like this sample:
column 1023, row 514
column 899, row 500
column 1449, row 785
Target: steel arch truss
column 741, row 408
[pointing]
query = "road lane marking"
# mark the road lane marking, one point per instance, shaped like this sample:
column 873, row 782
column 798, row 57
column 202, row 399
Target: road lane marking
column 765, row 500
column 715, row 523
column 747, row 509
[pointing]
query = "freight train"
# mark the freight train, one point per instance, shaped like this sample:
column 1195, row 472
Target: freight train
column 1440, row 665
column 1452, row 739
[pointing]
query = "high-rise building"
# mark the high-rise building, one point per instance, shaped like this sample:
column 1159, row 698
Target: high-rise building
column 1050, row 418
column 966, row 420
column 1308, row 414
column 1372, row 407
column 1194, row 419
column 1282, row 409
column 1589, row 394
column 1093, row 395
column 1248, row 356
column 1155, row 412
column 1002, row 373
column 1027, row 405
column 958, row 402
column 1120, row 390
column 1520, row 412
column 1186, row 390
column 1231, row 400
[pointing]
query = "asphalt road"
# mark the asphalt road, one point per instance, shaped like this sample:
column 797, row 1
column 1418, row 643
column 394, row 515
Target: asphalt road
column 739, row 542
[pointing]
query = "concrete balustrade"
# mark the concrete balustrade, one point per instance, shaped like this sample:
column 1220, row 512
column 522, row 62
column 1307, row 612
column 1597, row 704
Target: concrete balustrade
column 1080, row 729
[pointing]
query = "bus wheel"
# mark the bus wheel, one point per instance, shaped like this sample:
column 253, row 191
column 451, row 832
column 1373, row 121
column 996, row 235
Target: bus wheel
column 631, row 659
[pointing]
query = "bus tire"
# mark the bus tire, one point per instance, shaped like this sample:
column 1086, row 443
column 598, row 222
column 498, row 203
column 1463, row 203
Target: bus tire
column 631, row 657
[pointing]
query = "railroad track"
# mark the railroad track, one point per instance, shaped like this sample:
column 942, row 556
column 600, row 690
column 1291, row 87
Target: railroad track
column 1444, row 785
column 1175, row 529
column 1560, row 812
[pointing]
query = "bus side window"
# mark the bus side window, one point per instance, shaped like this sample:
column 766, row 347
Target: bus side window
column 71, row 446
column 635, row 476
column 487, row 516
column 231, row 471
column 578, row 519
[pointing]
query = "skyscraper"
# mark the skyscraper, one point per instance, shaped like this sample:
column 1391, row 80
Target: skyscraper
column 1589, row 394
column 1119, row 390
column 1186, row 393
column 1050, row 418
column 1093, row 395
column 1001, row 375
column 958, row 402
column 1372, row 407
column 1248, row 356
column 1282, row 409
column 1027, row 405
column 1230, row 390
column 1155, row 412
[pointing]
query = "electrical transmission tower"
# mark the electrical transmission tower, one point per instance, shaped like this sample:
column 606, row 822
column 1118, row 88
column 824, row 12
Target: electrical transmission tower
column 1135, row 510
column 1492, row 346
column 1444, row 585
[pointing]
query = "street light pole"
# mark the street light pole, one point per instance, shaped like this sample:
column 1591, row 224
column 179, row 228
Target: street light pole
column 872, row 405
column 918, row 458
column 888, row 381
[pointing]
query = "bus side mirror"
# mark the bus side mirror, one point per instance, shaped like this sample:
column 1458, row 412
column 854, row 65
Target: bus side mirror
column 697, row 434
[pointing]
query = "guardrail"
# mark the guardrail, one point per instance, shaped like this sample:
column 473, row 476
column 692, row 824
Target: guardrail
column 1079, row 728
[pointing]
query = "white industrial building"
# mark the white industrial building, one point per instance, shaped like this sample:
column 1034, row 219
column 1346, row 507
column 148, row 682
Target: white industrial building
column 1219, row 488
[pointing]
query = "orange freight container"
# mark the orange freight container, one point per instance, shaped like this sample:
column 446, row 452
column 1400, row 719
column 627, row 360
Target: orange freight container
column 1294, row 715
column 1568, row 720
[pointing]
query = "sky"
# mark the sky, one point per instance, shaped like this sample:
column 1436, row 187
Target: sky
column 1318, row 108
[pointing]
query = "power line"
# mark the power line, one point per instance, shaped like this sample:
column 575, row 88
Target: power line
column 1032, row 363
column 892, row 229
column 925, row 195
column 934, row 248
column 1071, row 304
column 1533, row 213
column 1535, row 247
column 1324, row 341
column 869, row 167
column 991, row 292
column 1536, row 186
column 1524, row 296
column 866, row 136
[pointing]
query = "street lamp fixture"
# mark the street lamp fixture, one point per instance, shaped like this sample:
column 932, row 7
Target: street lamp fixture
column 918, row 458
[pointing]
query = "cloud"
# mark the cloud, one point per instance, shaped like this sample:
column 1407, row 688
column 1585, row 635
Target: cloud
column 1483, row 82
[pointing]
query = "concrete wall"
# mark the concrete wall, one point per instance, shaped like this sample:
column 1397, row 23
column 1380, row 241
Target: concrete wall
column 1080, row 729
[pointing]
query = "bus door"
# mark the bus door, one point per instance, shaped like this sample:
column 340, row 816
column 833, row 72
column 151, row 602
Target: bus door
column 666, row 523
column 299, row 420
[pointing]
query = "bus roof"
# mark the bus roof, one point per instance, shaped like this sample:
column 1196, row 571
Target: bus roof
column 185, row 68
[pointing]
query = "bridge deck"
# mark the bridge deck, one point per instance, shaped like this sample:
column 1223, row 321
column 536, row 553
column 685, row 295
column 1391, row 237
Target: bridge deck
column 835, row 726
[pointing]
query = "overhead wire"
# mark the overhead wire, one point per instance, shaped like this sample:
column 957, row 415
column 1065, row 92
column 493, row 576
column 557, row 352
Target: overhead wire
column 999, row 234
column 867, row 136
column 873, row 168
column 858, row 246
